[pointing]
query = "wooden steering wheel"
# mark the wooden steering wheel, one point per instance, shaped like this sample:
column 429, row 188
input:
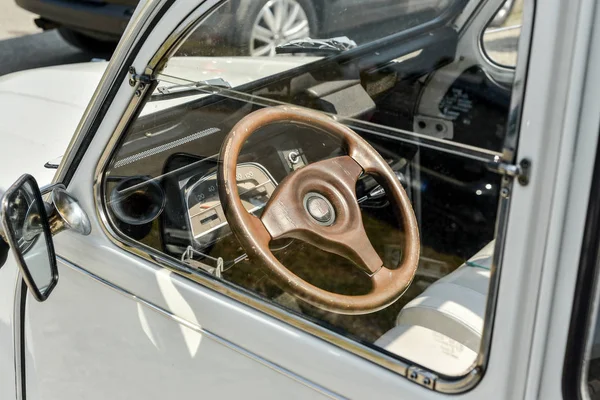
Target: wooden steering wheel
column 317, row 204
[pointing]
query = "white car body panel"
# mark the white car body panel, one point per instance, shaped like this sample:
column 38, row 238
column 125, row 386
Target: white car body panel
column 118, row 326
column 58, row 96
column 158, row 354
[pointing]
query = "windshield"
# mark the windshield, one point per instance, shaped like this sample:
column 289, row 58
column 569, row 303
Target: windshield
column 288, row 27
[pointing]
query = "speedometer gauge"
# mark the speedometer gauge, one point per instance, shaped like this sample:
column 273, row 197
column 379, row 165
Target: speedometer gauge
column 205, row 213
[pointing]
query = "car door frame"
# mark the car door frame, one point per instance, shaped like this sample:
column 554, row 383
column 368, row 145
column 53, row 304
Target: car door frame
column 525, row 260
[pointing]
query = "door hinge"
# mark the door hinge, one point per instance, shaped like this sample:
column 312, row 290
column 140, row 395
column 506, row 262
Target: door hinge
column 521, row 171
column 142, row 79
column 422, row 377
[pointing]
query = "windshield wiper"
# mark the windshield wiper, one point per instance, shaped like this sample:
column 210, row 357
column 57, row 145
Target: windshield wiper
column 176, row 91
column 316, row 46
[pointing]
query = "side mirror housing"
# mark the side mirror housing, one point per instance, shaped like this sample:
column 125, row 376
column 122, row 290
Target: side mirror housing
column 27, row 232
column 4, row 249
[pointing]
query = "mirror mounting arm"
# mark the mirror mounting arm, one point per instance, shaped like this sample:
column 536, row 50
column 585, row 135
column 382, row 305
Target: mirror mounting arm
column 64, row 212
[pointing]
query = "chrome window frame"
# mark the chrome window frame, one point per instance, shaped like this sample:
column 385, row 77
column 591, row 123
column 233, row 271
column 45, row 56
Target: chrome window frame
column 438, row 383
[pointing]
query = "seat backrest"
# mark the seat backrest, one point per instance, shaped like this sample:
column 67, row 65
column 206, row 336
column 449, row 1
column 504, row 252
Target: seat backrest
column 441, row 328
column 455, row 305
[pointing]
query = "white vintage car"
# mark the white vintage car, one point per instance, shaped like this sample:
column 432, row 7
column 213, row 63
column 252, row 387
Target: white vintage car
column 395, row 215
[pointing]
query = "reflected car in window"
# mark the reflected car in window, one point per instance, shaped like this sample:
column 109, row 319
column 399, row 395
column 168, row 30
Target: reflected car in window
column 258, row 26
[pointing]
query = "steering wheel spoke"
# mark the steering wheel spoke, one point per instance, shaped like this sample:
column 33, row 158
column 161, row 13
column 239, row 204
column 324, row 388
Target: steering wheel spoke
column 352, row 245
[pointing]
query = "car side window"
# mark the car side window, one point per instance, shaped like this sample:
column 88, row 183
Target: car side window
column 332, row 162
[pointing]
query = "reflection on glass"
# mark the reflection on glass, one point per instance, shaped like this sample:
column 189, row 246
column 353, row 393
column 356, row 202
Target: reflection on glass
column 501, row 38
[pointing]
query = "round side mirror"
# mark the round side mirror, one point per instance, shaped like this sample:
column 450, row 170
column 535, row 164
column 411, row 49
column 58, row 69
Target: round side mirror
column 67, row 214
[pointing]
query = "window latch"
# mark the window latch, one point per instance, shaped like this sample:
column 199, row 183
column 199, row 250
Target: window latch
column 422, row 377
column 521, row 171
column 135, row 78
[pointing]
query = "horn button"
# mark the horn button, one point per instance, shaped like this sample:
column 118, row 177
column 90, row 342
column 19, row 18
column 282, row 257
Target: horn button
column 319, row 208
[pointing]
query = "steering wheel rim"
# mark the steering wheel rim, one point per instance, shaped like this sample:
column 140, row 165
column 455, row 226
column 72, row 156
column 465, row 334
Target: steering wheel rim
column 335, row 180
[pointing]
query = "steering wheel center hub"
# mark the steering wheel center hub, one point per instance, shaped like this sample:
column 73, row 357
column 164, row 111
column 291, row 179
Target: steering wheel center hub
column 319, row 208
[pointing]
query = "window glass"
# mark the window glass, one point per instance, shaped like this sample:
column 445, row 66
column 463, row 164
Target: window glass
column 501, row 37
column 337, row 169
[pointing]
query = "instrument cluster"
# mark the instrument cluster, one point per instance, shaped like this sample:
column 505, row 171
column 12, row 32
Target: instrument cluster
column 205, row 212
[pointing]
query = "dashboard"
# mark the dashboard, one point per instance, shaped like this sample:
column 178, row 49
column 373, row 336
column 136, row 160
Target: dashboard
column 192, row 223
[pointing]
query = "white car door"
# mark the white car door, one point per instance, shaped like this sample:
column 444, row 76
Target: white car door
column 160, row 299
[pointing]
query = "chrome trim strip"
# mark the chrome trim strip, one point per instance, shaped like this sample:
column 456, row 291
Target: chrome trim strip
column 518, row 88
column 18, row 328
column 444, row 384
column 509, row 153
column 203, row 331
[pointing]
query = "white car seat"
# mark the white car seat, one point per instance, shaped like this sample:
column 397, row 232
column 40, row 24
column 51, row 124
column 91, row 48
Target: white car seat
column 441, row 328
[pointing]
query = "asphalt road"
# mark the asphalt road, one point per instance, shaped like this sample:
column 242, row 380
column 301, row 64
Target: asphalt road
column 39, row 50
column 24, row 46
